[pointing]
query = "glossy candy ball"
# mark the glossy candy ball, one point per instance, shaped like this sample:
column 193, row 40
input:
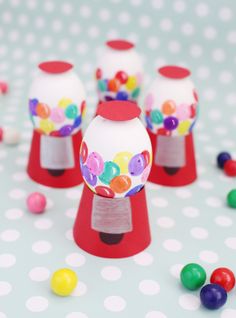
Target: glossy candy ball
column 193, row 276
column 231, row 198
column 36, row 202
column 63, row 282
column 223, row 277
column 222, row 158
column 230, row 168
column 213, row 296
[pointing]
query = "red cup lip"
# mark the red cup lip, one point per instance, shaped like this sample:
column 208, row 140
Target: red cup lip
column 174, row 72
column 55, row 67
column 120, row 45
column 119, row 110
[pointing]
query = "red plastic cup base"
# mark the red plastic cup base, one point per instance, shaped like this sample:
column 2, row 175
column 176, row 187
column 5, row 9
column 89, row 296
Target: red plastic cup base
column 70, row 177
column 184, row 176
column 132, row 242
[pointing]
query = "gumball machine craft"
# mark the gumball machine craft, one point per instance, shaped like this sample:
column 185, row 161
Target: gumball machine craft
column 170, row 114
column 116, row 156
column 119, row 74
column 56, row 106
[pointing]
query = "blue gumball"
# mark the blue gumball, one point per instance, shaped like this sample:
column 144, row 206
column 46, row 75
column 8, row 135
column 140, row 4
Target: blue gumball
column 213, row 296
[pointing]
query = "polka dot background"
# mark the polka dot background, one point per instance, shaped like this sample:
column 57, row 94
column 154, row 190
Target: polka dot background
column 188, row 224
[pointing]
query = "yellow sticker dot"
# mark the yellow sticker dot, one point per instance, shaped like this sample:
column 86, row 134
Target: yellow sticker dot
column 183, row 127
column 131, row 83
column 46, row 126
column 122, row 160
column 64, row 102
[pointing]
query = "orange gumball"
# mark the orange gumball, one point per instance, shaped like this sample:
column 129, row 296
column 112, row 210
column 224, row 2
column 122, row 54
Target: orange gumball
column 168, row 107
column 42, row 110
column 113, row 85
column 120, row 184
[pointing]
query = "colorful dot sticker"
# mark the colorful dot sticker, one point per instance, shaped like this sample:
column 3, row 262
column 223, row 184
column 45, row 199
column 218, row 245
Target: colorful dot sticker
column 63, row 120
column 124, row 176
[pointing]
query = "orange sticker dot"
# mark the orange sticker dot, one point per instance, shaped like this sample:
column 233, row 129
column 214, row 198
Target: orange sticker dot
column 120, row 184
column 168, row 107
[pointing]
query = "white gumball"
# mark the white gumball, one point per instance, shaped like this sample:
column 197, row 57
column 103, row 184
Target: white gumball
column 116, row 155
column 171, row 102
column 119, row 72
column 57, row 99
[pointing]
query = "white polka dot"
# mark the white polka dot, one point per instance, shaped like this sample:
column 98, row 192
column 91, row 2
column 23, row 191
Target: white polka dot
column 183, row 193
column 205, row 184
column 93, row 31
column 85, row 11
column 73, row 194
column 19, row 176
column 187, row 29
column 43, row 224
column 166, row 24
column 14, row 214
column 17, row 194
column 42, row 247
column 214, row 202
column 2, row 315
column 214, row 114
column 71, row 213
column 37, row 304
column 165, row 222
column 179, row 6
column 231, row 99
column 69, row 235
column 155, row 314
column 159, row 202
column 152, row 42
column 199, row 233
column 231, row 37
column 231, row 242
column 176, row 269
column 225, row 77
column 145, row 21
column 10, row 235
column 203, row 72
column 190, row 212
column 39, row 274
column 75, row 260
column 124, row 17
column 228, row 313
column 104, row 14
column 210, row 32
column 223, row 221
column 202, row 9
column 114, row 303
column 5, row 288
column 218, row 55
column 195, row 50
column 174, row 46
column 209, row 257
column 111, row 273
column 157, row 4
column 225, row 14
column 172, row 245
column 143, row 259
column 7, row 260
column 80, row 289
column 189, row 302
column 149, row 287
column 76, row 315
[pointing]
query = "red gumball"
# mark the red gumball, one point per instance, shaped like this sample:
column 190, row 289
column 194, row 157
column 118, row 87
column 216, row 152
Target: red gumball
column 122, row 77
column 223, row 277
column 230, row 168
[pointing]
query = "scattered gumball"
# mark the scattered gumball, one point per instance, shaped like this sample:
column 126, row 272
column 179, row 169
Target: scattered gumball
column 36, row 202
column 193, row 276
column 3, row 88
column 213, row 296
column 223, row 277
column 231, row 198
column 63, row 282
column 230, row 168
column 222, row 158
column 1, row 134
column 11, row 136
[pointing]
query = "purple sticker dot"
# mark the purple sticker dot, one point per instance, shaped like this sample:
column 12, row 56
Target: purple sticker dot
column 32, row 106
column 137, row 165
column 90, row 178
column 171, row 123
column 66, row 130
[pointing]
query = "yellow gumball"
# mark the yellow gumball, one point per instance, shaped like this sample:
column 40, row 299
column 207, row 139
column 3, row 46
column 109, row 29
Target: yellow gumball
column 64, row 102
column 183, row 127
column 122, row 160
column 131, row 83
column 46, row 126
column 63, row 281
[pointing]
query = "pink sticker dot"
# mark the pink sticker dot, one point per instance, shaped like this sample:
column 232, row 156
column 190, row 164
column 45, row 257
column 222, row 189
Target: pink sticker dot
column 183, row 112
column 57, row 115
column 149, row 101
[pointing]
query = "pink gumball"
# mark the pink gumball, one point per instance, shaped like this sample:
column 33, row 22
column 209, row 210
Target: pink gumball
column 95, row 163
column 149, row 100
column 36, row 202
column 183, row 111
column 57, row 115
column 139, row 78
